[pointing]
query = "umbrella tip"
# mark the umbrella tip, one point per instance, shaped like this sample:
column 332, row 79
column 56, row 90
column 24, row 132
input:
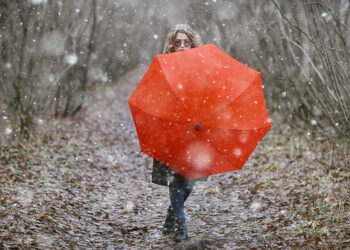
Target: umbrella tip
column 197, row 126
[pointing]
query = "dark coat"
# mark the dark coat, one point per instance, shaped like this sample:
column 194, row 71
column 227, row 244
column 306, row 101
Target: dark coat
column 162, row 175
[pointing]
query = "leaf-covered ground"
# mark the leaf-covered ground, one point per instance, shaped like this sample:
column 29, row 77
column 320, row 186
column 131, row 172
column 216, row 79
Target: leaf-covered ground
column 84, row 184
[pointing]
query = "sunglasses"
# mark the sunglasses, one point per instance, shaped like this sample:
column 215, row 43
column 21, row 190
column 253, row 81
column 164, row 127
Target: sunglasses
column 178, row 43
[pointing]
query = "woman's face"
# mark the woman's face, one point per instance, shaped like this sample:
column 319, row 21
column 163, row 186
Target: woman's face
column 182, row 42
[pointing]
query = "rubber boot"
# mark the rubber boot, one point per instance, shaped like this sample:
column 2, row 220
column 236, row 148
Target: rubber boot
column 181, row 230
column 169, row 224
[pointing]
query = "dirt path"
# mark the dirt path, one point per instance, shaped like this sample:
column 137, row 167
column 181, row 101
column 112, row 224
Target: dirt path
column 86, row 185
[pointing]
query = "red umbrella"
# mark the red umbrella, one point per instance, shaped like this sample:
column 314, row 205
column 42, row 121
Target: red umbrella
column 199, row 111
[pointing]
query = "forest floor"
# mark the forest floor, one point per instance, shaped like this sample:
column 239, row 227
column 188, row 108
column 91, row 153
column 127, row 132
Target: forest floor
column 83, row 184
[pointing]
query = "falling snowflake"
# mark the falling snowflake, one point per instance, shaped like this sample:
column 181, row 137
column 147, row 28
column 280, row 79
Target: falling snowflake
column 201, row 156
column 25, row 197
column 37, row 2
column 237, row 152
column 110, row 158
column 8, row 131
column 44, row 241
column 71, row 59
column 244, row 137
column 129, row 206
column 255, row 205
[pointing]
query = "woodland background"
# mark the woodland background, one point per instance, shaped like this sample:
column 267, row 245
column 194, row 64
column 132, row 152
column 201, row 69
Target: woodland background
column 53, row 51
column 71, row 174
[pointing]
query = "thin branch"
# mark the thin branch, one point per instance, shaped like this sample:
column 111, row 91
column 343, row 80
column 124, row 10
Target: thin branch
column 303, row 32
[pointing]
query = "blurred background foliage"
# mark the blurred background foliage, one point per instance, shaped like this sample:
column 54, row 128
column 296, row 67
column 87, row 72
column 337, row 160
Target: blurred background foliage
column 52, row 52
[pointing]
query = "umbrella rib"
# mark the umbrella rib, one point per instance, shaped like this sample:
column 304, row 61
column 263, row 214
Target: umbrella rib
column 174, row 140
column 222, row 155
column 238, row 129
column 220, row 152
column 232, row 100
column 165, row 120
column 158, row 116
column 201, row 100
column 175, row 93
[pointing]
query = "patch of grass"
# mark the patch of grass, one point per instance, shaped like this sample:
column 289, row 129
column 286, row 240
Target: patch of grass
column 38, row 183
column 29, row 220
column 66, row 173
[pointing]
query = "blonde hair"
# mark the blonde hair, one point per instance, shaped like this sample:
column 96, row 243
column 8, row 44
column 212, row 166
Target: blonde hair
column 181, row 28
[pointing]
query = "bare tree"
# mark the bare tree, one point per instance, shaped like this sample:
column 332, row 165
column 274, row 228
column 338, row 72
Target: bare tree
column 319, row 45
column 301, row 48
column 52, row 52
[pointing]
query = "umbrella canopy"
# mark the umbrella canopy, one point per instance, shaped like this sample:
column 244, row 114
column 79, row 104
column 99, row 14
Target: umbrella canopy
column 199, row 111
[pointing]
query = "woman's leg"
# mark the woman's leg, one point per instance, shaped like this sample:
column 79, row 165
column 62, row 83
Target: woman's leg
column 179, row 191
column 188, row 190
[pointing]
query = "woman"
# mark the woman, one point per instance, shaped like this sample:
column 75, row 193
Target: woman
column 180, row 38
